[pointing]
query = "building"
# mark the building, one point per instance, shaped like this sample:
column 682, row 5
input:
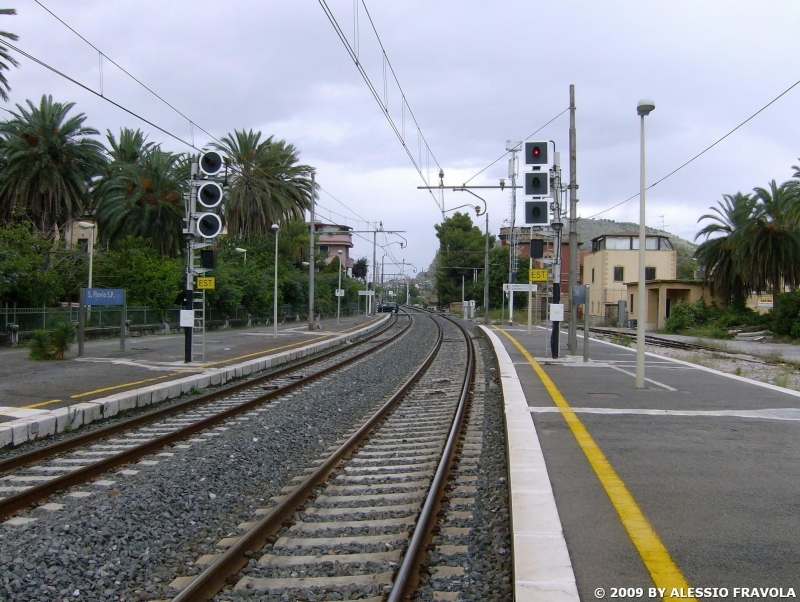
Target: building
column 613, row 265
column 332, row 238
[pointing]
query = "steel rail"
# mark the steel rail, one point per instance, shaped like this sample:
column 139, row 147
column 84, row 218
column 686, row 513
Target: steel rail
column 61, row 447
column 215, row 577
column 25, row 498
column 407, row 578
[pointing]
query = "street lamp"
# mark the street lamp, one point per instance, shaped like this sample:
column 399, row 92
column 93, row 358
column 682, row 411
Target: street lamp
column 241, row 250
column 486, row 252
column 643, row 108
column 275, row 228
column 92, row 227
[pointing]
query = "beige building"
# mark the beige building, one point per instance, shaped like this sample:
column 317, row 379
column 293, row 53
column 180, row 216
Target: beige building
column 663, row 295
column 614, row 263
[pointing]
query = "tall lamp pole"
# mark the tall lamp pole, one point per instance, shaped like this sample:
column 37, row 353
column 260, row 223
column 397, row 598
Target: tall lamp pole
column 275, row 228
column 644, row 108
column 339, row 290
column 92, row 227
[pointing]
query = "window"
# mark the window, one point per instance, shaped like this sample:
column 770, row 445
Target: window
column 619, row 272
column 649, row 273
column 323, row 249
column 592, row 275
column 631, row 309
column 618, row 243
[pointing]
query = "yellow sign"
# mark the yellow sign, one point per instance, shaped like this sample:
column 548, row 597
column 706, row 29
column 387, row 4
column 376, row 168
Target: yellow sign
column 765, row 301
column 206, row 284
column 537, row 275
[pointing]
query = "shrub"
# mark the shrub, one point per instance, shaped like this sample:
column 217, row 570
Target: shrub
column 785, row 312
column 688, row 315
column 39, row 345
column 61, row 339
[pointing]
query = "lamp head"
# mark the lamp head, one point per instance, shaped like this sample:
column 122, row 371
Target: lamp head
column 502, row 183
column 85, row 225
column 644, row 106
column 240, row 250
column 275, row 227
column 340, row 251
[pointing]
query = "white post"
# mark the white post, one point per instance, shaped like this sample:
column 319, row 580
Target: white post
column 643, row 108
column 275, row 228
column 338, row 291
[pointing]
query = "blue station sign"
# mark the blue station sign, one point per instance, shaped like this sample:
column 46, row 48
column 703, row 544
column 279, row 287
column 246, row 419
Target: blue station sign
column 105, row 296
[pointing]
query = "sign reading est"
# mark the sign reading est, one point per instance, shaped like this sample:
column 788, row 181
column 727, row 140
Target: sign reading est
column 537, row 275
column 205, row 284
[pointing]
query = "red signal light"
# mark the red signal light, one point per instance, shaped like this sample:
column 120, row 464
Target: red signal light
column 536, row 151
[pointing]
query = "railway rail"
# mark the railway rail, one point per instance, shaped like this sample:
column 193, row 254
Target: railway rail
column 33, row 476
column 382, row 487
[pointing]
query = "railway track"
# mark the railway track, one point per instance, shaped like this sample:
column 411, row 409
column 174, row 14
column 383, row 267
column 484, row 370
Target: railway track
column 361, row 518
column 31, row 477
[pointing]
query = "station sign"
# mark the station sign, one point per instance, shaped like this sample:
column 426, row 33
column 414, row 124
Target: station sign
column 537, row 275
column 519, row 288
column 105, row 296
column 367, row 293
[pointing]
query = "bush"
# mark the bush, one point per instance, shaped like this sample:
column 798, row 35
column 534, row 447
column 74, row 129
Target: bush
column 39, row 346
column 785, row 313
column 61, row 339
column 688, row 315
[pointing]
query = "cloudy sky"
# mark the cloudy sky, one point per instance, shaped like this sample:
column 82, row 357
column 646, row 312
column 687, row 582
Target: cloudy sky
column 474, row 74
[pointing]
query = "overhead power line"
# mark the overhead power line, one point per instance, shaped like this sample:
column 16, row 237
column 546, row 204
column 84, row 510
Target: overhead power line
column 702, row 152
column 505, row 153
column 399, row 130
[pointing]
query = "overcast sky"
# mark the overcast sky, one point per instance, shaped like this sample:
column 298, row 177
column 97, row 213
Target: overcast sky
column 474, row 73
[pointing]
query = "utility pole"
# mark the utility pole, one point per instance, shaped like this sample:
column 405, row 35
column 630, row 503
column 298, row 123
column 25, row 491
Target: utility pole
column 514, row 148
column 573, row 225
column 311, row 249
column 558, row 227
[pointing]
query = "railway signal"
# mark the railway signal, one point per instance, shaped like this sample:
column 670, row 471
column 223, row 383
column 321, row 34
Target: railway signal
column 536, row 153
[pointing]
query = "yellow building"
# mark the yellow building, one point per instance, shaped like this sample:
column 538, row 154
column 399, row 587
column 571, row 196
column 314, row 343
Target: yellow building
column 614, row 262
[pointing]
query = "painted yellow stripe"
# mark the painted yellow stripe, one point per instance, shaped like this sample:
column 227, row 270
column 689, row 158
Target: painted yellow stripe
column 244, row 357
column 39, row 405
column 655, row 556
column 138, row 382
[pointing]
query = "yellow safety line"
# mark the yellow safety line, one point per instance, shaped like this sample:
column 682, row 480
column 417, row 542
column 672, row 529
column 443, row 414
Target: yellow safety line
column 138, row 382
column 655, row 556
column 262, row 352
column 38, row 405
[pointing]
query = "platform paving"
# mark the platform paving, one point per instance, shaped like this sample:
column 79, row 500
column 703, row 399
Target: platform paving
column 38, row 399
column 690, row 482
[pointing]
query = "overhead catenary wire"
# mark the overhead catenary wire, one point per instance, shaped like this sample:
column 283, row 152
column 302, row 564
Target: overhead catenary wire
column 505, row 153
column 701, row 153
column 384, row 107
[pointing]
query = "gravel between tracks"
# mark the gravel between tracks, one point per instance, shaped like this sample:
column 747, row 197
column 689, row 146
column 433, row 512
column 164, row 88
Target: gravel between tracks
column 127, row 540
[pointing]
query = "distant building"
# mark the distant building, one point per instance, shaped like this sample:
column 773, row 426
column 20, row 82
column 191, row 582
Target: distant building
column 331, row 238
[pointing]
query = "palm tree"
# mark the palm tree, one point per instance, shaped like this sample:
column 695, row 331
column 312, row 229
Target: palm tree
column 771, row 252
column 123, row 154
column 49, row 161
column 6, row 60
column 718, row 254
column 146, row 200
column 267, row 185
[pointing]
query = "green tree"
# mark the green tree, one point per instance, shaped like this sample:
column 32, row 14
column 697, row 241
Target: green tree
column 48, row 162
column 147, row 276
column 24, row 277
column 360, row 267
column 6, row 60
column 123, row 154
column 266, row 186
column 461, row 249
column 718, row 253
column 145, row 200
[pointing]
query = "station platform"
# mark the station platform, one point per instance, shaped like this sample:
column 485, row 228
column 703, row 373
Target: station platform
column 642, row 494
column 40, row 398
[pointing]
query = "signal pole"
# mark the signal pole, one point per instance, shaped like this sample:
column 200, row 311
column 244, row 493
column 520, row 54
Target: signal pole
column 573, row 225
column 311, row 250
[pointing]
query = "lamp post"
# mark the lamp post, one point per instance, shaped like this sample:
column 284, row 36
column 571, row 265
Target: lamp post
column 275, row 228
column 485, row 255
column 92, row 227
column 643, row 108
column 339, row 290
column 241, row 250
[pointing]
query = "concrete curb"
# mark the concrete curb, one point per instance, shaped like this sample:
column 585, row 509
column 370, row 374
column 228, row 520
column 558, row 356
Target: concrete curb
column 33, row 424
column 542, row 566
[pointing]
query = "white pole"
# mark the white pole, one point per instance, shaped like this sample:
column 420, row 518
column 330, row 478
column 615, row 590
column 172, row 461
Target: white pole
column 275, row 292
column 644, row 107
column 338, row 291
column 91, row 254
